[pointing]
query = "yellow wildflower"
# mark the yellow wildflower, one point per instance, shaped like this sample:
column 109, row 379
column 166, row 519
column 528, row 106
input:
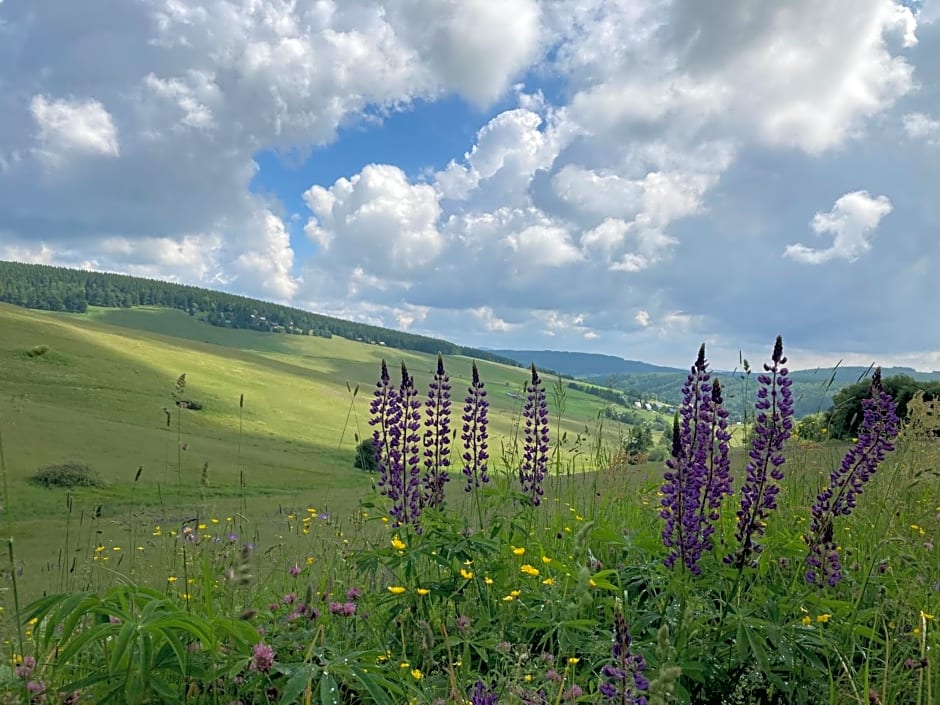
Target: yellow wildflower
column 529, row 570
column 422, row 591
column 488, row 580
column 573, row 660
column 823, row 618
column 548, row 581
column 925, row 615
column 398, row 544
column 466, row 574
column 546, row 560
column 417, row 674
column 806, row 620
column 171, row 579
column 397, row 589
column 518, row 551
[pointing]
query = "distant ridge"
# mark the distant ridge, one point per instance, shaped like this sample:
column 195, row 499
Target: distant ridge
column 580, row 364
column 48, row 288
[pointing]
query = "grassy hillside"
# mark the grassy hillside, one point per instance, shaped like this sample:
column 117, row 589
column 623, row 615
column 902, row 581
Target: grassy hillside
column 99, row 394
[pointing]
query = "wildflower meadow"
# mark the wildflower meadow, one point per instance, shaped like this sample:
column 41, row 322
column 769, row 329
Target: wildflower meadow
column 753, row 567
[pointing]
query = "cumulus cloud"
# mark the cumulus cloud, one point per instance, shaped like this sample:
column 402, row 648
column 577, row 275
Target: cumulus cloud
column 376, row 219
column 802, row 75
column 852, row 221
column 474, row 47
column 919, row 126
column 73, row 126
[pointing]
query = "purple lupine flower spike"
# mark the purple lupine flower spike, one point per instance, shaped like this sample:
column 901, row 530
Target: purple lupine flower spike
column 437, row 436
column 717, row 479
column 474, row 434
column 686, row 479
column 408, row 510
column 879, row 426
column 536, row 446
column 773, row 426
column 386, row 441
column 624, row 679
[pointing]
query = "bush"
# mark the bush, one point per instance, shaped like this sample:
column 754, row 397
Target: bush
column 37, row 350
column 365, row 456
column 66, row 475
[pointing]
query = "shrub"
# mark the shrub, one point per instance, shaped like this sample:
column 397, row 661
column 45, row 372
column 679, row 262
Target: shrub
column 365, row 456
column 66, row 475
column 37, row 350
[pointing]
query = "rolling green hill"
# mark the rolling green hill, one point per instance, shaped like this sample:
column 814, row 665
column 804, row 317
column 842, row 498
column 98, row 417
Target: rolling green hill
column 99, row 395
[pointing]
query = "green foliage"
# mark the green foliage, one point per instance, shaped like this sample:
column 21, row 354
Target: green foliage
column 66, row 475
column 845, row 416
column 132, row 645
column 639, row 440
column 813, row 427
column 365, row 456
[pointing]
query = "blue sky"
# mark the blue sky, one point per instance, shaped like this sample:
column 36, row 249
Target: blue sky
column 614, row 176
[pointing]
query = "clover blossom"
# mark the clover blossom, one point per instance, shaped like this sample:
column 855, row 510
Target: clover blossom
column 624, row 679
column 773, row 426
column 262, row 657
column 879, row 426
column 536, row 446
column 474, row 434
column 698, row 470
column 437, row 436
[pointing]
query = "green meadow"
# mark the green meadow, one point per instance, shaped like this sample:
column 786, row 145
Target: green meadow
column 232, row 555
column 277, row 428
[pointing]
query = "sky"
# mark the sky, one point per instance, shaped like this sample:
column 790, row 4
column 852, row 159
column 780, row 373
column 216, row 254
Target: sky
column 614, row 176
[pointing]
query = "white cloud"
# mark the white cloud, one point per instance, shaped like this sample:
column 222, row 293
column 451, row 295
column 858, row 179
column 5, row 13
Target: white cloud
column 852, row 221
column 490, row 321
column 73, row 126
column 542, row 246
column 377, row 219
column 474, row 47
column 499, row 168
column 642, row 317
column 921, row 126
column 192, row 97
column 802, row 74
